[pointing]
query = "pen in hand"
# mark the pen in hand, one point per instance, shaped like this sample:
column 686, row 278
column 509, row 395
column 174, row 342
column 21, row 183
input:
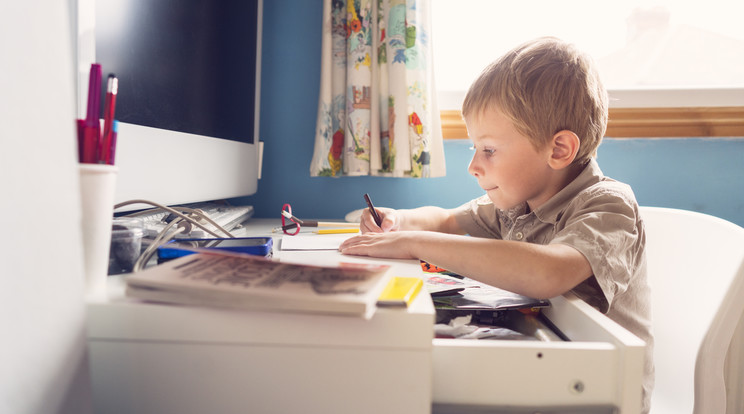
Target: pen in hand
column 372, row 210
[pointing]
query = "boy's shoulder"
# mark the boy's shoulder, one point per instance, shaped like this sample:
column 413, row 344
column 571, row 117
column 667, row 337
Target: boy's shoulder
column 591, row 191
column 592, row 183
column 605, row 206
column 609, row 190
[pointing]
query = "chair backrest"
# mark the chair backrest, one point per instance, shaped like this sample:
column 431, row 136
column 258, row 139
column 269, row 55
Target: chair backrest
column 696, row 273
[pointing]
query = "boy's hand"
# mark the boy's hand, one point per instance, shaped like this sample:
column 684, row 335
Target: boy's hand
column 391, row 245
column 390, row 221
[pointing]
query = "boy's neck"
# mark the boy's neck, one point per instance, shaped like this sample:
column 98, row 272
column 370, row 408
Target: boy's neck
column 571, row 172
column 563, row 178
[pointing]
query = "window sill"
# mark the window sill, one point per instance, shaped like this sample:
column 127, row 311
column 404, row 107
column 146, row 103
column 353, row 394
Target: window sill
column 645, row 122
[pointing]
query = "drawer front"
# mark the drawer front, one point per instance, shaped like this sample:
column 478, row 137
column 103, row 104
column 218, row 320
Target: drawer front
column 156, row 378
column 523, row 373
column 600, row 366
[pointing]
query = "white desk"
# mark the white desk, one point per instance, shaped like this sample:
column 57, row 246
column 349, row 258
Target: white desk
column 152, row 358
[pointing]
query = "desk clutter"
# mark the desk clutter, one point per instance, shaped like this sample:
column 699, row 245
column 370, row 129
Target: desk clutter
column 436, row 353
column 234, row 280
column 142, row 234
column 238, row 272
column 223, row 277
column 465, row 308
column 291, row 225
column 468, row 309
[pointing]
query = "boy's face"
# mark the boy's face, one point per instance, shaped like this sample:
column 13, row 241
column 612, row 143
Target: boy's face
column 506, row 163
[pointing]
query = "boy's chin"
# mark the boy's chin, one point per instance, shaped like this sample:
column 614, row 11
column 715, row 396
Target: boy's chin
column 498, row 202
column 502, row 204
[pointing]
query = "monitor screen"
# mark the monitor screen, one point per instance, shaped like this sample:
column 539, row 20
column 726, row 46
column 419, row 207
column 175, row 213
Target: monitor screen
column 183, row 65
column 188, row 97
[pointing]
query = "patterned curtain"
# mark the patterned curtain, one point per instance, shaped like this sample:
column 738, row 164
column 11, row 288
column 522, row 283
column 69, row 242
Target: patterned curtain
column 377, row 111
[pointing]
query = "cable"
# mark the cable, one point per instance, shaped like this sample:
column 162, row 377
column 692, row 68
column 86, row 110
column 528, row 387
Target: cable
column 162, row 238
column 182, row 216
column 183, row 222
column 191, row 211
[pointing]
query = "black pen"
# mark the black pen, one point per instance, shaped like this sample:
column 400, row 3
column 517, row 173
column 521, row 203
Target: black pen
column 372, row 210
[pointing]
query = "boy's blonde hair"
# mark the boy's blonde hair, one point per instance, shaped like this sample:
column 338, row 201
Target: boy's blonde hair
column 544, row 86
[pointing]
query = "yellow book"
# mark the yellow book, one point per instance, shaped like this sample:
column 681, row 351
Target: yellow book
column 400, row 291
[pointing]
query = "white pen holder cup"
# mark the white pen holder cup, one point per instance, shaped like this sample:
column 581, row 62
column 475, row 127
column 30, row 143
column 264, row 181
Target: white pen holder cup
column 97, row 185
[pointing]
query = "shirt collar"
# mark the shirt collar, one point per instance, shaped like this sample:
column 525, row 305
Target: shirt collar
column 551, row 210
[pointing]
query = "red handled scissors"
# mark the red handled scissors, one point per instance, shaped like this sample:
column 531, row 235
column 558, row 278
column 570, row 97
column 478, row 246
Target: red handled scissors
column 287, row 215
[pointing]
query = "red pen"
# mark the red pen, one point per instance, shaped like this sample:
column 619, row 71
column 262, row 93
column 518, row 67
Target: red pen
column 109, row 109
column 92, row 128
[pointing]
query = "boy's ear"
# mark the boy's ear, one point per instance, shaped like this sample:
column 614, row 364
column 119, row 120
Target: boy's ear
column 564, row 147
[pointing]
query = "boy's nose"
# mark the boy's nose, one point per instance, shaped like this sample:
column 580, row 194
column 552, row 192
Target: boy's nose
column 473, row 168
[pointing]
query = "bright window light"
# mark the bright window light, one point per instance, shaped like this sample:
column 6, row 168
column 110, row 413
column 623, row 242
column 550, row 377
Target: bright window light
column 650, row 53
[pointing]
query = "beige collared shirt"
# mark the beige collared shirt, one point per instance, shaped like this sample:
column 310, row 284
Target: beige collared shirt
column 599, row 217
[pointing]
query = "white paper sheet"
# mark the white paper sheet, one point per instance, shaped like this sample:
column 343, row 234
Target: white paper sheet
column 314, row 241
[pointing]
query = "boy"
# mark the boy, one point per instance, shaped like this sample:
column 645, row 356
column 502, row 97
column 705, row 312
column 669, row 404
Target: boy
column 550, row 222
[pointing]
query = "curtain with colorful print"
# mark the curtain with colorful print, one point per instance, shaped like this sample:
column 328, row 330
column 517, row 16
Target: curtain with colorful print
column 377, row 111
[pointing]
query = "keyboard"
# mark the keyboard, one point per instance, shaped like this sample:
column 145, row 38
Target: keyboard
column 229, row 217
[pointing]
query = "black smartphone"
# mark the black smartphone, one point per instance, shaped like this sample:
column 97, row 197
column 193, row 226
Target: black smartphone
column 259, row 246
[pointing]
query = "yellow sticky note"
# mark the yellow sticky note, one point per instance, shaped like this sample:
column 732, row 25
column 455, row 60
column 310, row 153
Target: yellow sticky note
column 337, row 231
column 400, row 291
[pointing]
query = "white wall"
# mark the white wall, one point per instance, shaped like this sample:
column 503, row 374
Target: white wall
column 42, row 353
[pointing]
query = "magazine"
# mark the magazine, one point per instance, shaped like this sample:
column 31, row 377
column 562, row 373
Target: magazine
column 452, row 291
column 469, row 294
column 250, row 282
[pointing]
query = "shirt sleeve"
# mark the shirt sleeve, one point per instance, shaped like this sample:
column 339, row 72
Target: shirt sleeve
column 604, row 225
column 479, row 218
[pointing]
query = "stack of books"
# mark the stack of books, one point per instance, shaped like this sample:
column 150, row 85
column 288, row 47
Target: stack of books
column 234, row 280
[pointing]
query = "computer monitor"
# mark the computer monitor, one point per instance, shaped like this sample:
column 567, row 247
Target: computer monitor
column 188, row 98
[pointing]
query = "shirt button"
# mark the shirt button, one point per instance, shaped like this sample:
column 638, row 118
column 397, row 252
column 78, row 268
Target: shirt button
column 519, row 235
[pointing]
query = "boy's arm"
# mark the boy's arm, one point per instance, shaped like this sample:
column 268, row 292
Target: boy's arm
column 427, row 218
column 539, row 271
column 430, row 219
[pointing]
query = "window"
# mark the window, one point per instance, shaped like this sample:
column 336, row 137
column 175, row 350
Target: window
column 666, row 64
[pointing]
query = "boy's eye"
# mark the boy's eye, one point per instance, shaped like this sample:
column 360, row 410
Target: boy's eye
column 487, row 151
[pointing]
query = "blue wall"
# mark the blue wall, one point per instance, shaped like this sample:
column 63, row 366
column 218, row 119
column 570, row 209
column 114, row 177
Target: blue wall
column 705, row 174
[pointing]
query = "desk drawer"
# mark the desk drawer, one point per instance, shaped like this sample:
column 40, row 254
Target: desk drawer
column 149, row 358
column 600, row 367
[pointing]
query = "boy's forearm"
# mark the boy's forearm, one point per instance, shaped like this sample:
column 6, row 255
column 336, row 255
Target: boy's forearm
column 540, row 271
column 528, row 269
column 429, row 218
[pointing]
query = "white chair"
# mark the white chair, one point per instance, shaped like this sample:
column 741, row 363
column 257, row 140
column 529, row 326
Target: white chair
column 696, row 273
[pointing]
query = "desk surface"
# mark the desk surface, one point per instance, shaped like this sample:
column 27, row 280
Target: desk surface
column 156, row 358
column 321, row 360
column 288, row 327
